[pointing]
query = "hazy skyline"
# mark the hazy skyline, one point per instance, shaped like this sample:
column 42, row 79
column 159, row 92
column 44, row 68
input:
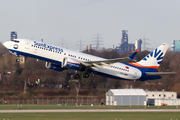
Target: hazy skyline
column 72, row 20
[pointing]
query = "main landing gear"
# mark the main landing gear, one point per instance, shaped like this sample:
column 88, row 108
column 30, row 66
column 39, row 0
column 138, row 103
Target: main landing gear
column 85, row 75
column 77, row 76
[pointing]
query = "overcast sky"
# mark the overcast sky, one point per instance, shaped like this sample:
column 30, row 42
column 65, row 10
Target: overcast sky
column 74, row 20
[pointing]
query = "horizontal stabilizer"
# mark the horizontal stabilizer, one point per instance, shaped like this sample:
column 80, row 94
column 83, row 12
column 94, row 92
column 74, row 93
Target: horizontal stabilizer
column 160, row 73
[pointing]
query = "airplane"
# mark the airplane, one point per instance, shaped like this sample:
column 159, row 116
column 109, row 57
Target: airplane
column 59, row 59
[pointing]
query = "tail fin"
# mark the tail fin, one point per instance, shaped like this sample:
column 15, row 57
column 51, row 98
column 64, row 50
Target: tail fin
column 154, row 58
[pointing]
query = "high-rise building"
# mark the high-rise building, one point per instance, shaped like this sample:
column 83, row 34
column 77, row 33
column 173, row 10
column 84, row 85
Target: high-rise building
column 124, row 39
column 13, row 35
column 138, row 44
column 176, row 45
column 124, row 46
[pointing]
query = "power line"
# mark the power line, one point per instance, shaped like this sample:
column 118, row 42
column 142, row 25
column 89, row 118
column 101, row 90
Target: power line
column 81, row 44
column 145, row 43
column 97, row 41
column 63, row 44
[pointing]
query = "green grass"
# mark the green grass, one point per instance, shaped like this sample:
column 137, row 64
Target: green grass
column 13, row 107
column 91, row 116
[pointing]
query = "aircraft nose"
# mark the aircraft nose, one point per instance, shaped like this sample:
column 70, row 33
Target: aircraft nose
column 6, row 44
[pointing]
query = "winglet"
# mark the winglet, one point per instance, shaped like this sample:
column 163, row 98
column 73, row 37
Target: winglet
column 134, row 54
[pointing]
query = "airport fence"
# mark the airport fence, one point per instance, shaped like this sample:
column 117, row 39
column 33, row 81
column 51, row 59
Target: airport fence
column 63, row 101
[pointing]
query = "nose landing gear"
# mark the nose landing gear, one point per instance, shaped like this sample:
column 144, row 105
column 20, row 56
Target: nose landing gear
column 17, row 59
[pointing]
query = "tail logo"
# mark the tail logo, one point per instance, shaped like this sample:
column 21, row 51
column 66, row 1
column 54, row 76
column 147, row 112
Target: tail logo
column 157, row 54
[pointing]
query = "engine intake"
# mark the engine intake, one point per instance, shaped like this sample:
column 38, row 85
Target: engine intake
column 53, row 66
column 72, row 64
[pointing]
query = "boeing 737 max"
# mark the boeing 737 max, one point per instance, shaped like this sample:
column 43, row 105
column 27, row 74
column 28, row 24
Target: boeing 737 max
column 59, row 58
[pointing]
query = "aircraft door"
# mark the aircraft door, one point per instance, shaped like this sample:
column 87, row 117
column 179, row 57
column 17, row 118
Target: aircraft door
column 135, row 73
column 27, row 45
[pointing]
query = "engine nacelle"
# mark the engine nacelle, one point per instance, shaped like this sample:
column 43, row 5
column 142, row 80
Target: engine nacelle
column 53, row 66
column 72, row 64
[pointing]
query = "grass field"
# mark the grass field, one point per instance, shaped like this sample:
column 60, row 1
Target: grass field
column 14, row 107
column 87, row 115
column 91, row 116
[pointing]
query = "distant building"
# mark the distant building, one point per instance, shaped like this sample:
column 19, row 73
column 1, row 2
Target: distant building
column 13, row 35
column 161, row 95
column 125, row 46
column 126, row 97
column 176, row 45
column 161, row 98
column 138, row 44
column 135, row 97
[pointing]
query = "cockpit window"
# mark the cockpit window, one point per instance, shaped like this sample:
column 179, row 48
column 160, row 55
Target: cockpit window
column 16, row 41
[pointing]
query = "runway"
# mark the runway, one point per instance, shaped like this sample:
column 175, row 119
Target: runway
column 88, row 110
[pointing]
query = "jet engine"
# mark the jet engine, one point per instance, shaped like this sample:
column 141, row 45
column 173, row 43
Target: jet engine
column 72, row 64
column 53, row 66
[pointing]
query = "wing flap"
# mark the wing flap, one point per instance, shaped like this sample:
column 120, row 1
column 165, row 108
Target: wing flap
column 160, row 73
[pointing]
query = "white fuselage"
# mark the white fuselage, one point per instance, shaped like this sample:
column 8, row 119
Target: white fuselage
column 55, row 54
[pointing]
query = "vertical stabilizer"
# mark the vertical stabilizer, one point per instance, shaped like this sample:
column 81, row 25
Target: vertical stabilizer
column 154, row 58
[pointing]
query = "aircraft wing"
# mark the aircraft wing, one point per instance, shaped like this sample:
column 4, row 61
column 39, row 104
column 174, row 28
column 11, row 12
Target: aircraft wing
column 160, row 73
column 107, row 62
column 111, row 61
